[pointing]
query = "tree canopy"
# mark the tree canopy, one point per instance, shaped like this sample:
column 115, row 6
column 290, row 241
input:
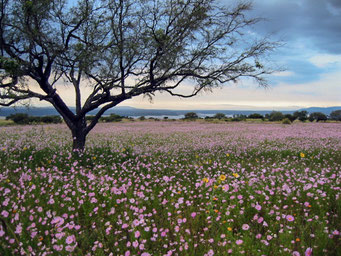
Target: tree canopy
column 122, row 49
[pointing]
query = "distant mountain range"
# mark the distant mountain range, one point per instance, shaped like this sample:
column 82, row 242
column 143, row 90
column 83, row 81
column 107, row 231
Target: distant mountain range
column 136, row 112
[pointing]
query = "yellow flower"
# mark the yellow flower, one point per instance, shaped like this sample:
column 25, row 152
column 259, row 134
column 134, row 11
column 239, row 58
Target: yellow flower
column 302, row 155
column 297, row 239
column 215, row 186
column 222, row 177
column 94, row 158
column 229, row 229
column 205, row 180
column 235, row 175
column 25, row 148
column 227, row 154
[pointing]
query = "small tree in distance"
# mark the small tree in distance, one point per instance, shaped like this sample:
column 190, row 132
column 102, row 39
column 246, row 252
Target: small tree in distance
column 335, row 115
column 191, row 115
column 122, row 49
column 219, row 116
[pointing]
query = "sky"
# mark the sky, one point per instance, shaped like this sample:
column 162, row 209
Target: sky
column 310, row 31
column 311, row 56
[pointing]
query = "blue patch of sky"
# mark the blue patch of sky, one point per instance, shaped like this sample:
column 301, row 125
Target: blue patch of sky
column 302, row 71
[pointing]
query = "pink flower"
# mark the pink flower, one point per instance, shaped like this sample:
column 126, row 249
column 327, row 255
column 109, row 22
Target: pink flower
column 124, row 225
column 245, row 227
column 258, row 207
column 290, row 218
column 295, row 253
column 5, row 213
column 137, row 234
column 145, row 254
column 225, row 187
column 70, row 239
column 69, row 248
column 193, row 214
column 308, row 252
column 239, row 242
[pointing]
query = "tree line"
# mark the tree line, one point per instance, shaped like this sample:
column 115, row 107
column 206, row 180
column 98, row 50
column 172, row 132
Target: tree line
column 275, row 116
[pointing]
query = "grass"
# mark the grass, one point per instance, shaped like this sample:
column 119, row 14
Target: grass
column 172, row 188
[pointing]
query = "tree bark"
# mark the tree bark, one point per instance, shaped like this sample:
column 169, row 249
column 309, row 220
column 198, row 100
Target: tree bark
column 79, row 135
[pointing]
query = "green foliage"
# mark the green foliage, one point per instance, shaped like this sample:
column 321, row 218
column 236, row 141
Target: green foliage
column 276, row 116
column 336, row 115
column 301, row 115
column 286, row 121
column 111, row 118
column 23, row 118
column 317, row 116
column 191, row 115
column 219, row 116
column 256, row 116
column 290, row 117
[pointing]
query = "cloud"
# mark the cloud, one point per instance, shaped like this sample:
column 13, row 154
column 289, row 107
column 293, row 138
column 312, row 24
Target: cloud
column 326, row 60
column 316, row 22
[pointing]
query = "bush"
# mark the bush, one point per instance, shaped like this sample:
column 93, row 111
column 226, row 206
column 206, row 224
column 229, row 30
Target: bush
column 219, row 116
column 191, row 115
column 23, row 118
column 290, row 117
column 286, row 121
column 301, row 115
column 276, row 116
column 111, row 118
column 317, row 116
column 256, row 116
column 336, row 115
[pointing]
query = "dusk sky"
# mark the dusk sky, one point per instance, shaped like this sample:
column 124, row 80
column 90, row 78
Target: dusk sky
column 311, row 56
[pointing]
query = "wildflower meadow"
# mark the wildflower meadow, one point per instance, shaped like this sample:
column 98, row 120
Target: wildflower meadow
column 172, row 188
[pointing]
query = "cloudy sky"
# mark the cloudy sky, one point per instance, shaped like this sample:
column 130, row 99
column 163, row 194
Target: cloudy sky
column 311, row 56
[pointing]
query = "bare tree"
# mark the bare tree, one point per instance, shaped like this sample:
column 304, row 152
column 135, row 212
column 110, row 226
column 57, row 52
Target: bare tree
column 123, row 49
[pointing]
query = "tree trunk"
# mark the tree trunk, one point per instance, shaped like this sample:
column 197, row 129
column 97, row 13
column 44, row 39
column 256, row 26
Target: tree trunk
column 79, row 136
column 78, row 142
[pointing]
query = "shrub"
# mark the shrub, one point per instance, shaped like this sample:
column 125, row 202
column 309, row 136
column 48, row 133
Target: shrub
column 191, row 115
column 219, row 116
column 276, row 116
column 111, row 118
column 301, row 115
column 256, row 116
column 317, row 116
column 286, row 121
column 336, row 115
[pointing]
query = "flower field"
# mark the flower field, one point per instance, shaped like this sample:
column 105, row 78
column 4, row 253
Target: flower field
column 172, row 188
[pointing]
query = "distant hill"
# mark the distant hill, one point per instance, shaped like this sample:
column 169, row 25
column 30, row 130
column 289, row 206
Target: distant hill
column 136, row 112
column 326, row 110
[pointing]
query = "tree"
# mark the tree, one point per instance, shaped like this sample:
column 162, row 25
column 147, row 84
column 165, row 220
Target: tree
column 122, row 49
column 290, row 117
column 317, row 116
column 276, row 116
column 191, row 115
column 256, row 116
column 219, row 116
column 335, row 115
column 301, row 115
